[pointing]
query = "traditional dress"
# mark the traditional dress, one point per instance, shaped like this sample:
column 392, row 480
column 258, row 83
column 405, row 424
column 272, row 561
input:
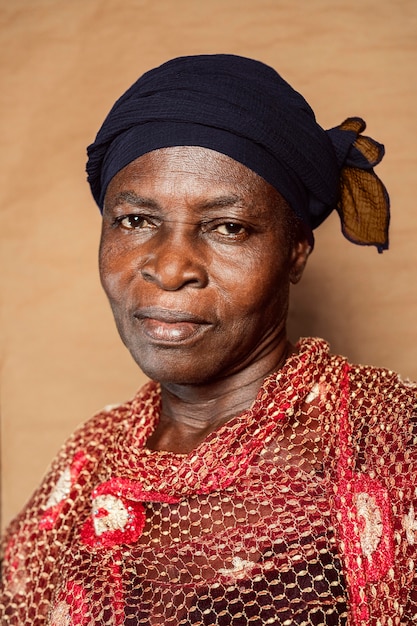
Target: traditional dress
column 302, row 510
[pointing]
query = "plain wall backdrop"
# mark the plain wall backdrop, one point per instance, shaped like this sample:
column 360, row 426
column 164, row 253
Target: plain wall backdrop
column 63, row 63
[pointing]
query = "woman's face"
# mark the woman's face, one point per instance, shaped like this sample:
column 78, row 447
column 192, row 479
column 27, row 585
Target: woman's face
column 196, row 260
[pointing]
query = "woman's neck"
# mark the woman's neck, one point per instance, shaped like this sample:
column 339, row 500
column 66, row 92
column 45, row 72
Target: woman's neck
column 191, row 412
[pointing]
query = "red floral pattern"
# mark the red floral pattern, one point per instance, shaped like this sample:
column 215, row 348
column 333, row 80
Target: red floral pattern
column 118, row 515
column 61, row 491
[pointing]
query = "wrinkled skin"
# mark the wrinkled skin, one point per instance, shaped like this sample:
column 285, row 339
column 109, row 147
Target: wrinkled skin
column 196, row 258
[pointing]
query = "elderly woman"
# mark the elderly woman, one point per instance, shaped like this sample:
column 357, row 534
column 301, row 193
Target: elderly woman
column 251, row 481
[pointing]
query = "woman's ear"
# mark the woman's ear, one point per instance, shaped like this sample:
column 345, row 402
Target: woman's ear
column 300, row 252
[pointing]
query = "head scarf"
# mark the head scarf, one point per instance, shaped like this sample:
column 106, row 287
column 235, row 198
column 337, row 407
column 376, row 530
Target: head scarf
column 244, row 109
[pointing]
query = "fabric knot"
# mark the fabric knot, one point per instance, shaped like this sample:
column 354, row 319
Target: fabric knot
column 363, row 204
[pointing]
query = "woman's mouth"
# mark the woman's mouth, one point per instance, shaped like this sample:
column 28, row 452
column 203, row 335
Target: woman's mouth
column 169, row 326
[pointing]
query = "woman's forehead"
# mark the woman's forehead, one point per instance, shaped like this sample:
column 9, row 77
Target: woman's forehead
column 188, row 170
column 194, row 160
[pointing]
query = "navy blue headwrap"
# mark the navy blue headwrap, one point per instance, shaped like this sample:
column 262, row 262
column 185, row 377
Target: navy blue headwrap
column 245, row 110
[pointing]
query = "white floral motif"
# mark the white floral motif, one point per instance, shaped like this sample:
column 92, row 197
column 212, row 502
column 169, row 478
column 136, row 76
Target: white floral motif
column 110, row 407
column 407, row 382
column 109, row 514
column 314, row 393
column 240, row 568
column 61, row 489
column 60, row 615
column 371, row 532
column 410, row 526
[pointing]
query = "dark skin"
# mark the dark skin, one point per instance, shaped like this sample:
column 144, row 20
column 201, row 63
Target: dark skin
column 197, row 256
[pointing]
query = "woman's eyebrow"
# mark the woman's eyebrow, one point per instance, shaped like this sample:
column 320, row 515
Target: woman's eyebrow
column 130, row 197
column 221, row 201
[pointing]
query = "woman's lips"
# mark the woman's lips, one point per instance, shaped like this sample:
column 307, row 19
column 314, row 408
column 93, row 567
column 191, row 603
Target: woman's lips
column 169, row 326
column 168, row 331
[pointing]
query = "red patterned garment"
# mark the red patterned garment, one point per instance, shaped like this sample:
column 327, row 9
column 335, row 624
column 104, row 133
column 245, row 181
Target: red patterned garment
column 300, row 511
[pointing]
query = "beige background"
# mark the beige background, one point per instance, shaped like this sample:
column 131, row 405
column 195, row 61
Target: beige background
column 63, row 63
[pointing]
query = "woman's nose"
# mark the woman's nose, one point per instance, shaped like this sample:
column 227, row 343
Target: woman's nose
column 173, row 262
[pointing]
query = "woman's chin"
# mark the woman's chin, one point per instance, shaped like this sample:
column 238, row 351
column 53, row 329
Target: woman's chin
column 174, row 369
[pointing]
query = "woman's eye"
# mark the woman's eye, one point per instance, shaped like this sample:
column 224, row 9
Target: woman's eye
column 230, row 228
column 132, row 222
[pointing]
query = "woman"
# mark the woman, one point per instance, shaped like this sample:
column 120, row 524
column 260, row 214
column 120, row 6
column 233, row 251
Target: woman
column 251, row 481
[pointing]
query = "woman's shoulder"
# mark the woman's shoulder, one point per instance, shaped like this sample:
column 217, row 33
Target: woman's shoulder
column 382, row 420
column 382, row 392
column 96, row 432
column 77, row 461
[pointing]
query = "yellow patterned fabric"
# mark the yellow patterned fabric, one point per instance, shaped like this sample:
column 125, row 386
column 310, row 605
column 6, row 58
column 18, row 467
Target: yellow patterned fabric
column 302, row 510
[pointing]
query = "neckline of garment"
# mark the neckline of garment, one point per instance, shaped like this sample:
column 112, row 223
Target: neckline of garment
column 283, row 378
